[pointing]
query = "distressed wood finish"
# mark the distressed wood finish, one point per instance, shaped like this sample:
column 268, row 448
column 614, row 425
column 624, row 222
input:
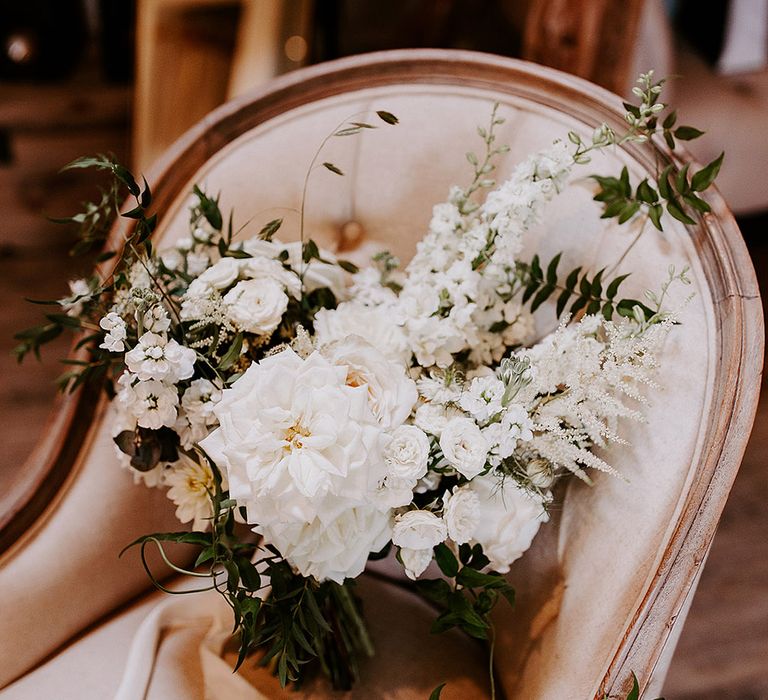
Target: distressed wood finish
column 724, row 260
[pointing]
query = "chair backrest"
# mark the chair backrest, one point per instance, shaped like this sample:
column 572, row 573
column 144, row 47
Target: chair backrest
column 628, row 553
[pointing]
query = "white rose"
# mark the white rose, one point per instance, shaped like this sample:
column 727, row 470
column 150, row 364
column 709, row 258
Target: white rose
column 415, row 561
column 376, row 325
column 391, row 392
column 334, row 549
column 318, row 274
column 260, row 267
column 418, row 529
column 464, row 446
column 256, row 306
column 222, row 274
column 511, row 519
column 461, row 512
column 407, row 453
column 433, row 417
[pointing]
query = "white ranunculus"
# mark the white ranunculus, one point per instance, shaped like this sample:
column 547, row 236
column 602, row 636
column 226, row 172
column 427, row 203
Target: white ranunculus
column 418, row 529
column 156, row 357
column 511, row 519
column 461, row 512
column 391, row 392
column 415, row 561
column 257, row 305
column 331, row 549
column 222, row 274
column 376, row 325
column 303, row 452
column 407, row 453
column 152, row 403
column 464, row 446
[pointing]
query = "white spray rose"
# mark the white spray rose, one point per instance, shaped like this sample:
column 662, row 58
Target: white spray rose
column 464, row 446
column 407, row 453
column 511, row 519
column 222, row 274
column 418, row 529
column 256, row 306
column 461, row 512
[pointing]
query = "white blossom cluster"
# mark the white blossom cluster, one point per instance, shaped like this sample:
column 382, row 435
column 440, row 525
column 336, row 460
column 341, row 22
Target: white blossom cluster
column 411, row 413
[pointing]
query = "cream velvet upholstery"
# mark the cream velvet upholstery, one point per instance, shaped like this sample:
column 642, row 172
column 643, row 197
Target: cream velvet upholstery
column 587, row 579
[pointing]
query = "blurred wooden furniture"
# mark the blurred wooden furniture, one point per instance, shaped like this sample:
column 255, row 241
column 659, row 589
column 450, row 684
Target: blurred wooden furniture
column 193, row 55
column 629, row 555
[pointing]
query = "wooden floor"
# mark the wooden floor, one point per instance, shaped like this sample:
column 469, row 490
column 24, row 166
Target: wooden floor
column 723, row 652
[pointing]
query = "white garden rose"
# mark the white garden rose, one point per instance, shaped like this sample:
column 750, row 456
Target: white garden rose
column 415, row 561
column 257, row 305
column 222, row 274
column 260, row 267
column 331, row 549
column 511, row 519
column 302, row 451
column 407, row 453
column 391, row 393
column 464, row 446
column 376, row 325
column 418, row 529
column 461, row 512
column 433, row 417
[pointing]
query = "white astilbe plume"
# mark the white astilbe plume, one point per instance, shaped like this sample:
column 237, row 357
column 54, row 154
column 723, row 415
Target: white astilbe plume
column 585, row 377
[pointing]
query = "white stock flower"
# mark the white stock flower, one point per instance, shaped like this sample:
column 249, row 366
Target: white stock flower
column 407, row 453
column 80, row 292
column 156, row 357
column 191, row 484
column 156, row 319
column 173, row 259
column 197, row 263
column 378, row 326
column 464, row 446
column 515, row 425
column 114, row 339
column 433, row 417
column 152, row 403
column 418, row 529
column 415, row 561
column 201, row 397
column 483, row 398
column 391, row 393
column 511, row 519
column 461, row 512
column 256, row 305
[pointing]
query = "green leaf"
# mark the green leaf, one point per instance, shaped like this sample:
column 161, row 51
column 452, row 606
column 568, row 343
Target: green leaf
column 233, row 354
column 669, row 120
column 681, row 181
column 613, row 287
column 654, row 213
column 437, row 591
column 646, row 193
column 332, row 168
column 348, row 131
column 387, row 117
column 435, row 694
column 310, row 251
column 664, row 189
column 552, row 269
column 628, row 211
column 607, row 311
column 674, row 208
column 446, row 560
column 543, row 294
column 634, row 694
column 562, row 300
column 270, row 229
column 706, row 176
column 697, row 203
column 687, row 133
column 202, row 539
column 624, row 181
column 348, row 266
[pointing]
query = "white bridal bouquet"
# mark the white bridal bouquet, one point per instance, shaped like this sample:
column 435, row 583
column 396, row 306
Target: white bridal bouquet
column 306, row 415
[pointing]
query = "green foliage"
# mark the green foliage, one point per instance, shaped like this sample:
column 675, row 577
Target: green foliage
column 467, row 602
column 435, row 694
column 578, row 291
